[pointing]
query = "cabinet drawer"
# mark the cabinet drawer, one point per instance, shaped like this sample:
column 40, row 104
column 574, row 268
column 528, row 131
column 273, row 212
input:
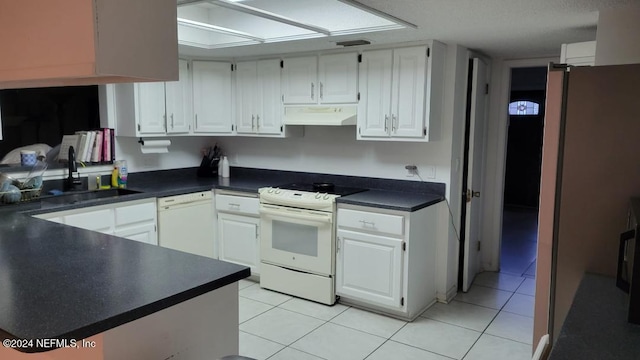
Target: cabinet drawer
column 98, row 220
column 237, row 204
column 384, row 223
column 130, row 214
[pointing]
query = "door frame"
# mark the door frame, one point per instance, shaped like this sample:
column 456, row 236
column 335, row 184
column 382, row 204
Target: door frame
column 496, row 157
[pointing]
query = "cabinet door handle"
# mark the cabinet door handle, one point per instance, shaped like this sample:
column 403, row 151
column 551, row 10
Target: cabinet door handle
column 394, row 126
column 338, row 244
column 367, row 223
column 252, row 120
column 321, row 87
column 312, row 87
column 386, row 123
column 234, row 206
column 257, row 122
column 196, row 127
column 172, row 121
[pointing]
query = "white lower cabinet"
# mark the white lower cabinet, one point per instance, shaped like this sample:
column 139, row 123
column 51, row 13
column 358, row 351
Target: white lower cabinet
column 100, row 220
column 239, row 229
column 386, row 259
column 240, row 240
column 134, row 220
column 145, row 233
column 370, row 268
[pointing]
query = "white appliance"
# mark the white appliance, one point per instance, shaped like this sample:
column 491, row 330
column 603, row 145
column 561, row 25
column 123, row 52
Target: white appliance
column 186, row 223
column 320, row 115
column 297, row 240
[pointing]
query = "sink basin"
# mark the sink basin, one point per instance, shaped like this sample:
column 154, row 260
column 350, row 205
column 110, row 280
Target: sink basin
column 81, row 196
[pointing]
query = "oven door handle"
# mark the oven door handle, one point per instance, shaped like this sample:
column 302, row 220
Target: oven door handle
column 296, row 215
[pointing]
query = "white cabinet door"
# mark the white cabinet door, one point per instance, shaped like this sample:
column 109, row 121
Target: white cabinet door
column 408, row 95
column 212, row 97
column 374, row 108
column 150, row 108
column 369, row 268
column 145, row 233
column 269, row 120
column 96, row 220
column 179, row 101
column 299, row 80
column 247, row 94
column 338, row 78
column 239, row 240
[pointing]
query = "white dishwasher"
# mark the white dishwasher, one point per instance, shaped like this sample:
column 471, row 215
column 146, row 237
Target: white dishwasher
column 187, row 223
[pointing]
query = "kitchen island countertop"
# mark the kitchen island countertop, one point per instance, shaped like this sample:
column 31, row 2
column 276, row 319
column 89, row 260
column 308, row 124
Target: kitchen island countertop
column 63, row 282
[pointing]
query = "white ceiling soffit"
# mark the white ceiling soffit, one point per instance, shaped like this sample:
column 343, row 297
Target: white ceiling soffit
column 217, row 24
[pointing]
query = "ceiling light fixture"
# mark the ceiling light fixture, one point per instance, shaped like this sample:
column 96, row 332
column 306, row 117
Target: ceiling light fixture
column 268, row 15
column 219, row 29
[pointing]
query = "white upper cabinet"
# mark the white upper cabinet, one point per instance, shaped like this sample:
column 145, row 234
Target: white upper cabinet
column 327, row 79
column 578, row 54
column 258, row 97
column 246, row 97
column 407, row 92
column 400, row 92
column 212, row 97
column 269, row 82
column 374, row 108
column 179, row 101
column 150, row 107
column 338, row 78
column 158, row 108
column 299, row 80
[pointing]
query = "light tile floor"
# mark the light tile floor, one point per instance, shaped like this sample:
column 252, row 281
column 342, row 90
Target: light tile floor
column 494, row 320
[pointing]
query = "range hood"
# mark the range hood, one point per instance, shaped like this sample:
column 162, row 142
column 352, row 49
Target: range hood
column 320, row 115
column 85, row 42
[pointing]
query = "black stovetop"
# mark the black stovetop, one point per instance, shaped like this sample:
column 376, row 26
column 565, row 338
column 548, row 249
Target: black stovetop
column 313, row 187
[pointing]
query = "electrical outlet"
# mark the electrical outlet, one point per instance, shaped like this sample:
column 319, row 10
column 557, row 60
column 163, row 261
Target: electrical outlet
column 429, row 172
column 412, row 170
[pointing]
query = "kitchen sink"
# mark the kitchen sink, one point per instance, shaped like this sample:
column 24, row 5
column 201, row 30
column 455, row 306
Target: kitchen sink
column 82, row 196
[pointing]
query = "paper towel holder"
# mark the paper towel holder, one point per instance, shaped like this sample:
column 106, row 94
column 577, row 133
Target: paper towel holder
column 154, row 146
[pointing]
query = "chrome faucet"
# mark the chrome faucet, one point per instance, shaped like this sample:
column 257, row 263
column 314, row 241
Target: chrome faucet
column 72, row 182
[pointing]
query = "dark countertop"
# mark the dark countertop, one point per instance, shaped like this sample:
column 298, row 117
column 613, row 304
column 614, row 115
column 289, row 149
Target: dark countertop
column 382, row 193
column 394, row 200
column 59, row 281
column 596, row 326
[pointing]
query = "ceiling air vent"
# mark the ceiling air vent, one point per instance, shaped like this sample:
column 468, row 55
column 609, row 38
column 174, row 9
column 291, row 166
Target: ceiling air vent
column 353, row 43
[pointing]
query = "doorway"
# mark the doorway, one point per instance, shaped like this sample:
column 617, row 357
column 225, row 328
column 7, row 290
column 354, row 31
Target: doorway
column 522, row 171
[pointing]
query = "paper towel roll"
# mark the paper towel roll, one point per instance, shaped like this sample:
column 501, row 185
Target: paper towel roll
column 155, row 146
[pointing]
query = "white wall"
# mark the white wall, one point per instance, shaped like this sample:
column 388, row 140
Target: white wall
column 335, row 150
column 184, row 152
column 618, row 36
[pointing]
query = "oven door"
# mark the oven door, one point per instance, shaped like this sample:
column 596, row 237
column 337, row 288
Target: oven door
column 298, row 239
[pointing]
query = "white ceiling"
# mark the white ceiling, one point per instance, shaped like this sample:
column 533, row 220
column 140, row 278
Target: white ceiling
column 509, row 29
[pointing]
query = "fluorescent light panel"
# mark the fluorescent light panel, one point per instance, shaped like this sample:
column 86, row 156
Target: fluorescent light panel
column 276, row 21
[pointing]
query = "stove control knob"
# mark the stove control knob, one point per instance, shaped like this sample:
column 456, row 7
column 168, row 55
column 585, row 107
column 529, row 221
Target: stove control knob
column 326, row 196
column 318, row 195
column 278, row 191
column 270, row 190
